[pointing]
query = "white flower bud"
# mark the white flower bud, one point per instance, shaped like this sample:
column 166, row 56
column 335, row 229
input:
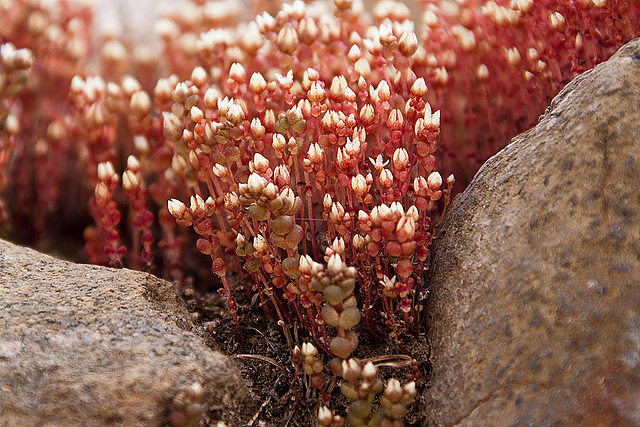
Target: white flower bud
column 237, row 73
column 434, row 181
column 176, row 208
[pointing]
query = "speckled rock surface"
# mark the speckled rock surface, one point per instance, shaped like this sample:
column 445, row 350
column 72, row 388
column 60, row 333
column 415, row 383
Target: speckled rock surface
column 85, row 345
column 534, row 312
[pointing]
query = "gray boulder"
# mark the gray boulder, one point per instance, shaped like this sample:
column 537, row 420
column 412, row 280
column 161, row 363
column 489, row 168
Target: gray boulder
column 534, row 311
column 86, row 345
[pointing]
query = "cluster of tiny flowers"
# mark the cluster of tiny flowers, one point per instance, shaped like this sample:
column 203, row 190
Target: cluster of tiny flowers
column 15, row 70
column 494, row 66
column 57, row 36
column 186, row 407
column 303, row 154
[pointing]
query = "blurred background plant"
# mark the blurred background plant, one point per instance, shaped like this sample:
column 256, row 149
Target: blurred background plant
column 291, row 154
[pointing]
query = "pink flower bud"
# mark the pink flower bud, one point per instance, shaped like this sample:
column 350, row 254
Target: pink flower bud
column 237, row 73
column 352, row 147
column 522, row 5
column 287, row 40
column 421, row 130
column 316, row 92
column 383, row 91
column 354, row 53
column 338, row 87
column 432, row 121
column 373, row 46
column 434, row 181
column 334, row 265
column 412, row 212
column 294, row 115
column 342, row 159
column 260, row 244
column 199, row 76
column 232, row 202
column 178, row 164
column 306, row 264
column 166, row 29
column 384, row 212
column 419, row 88
column 197, row 207
column 358, row 242
column 408, row 44
column 308, row 31
column 394, row 391
column 257, row 129
column 257, row 84
column 176, row 208
column 101, row 192
column 265, row 22
column 130, row 85
column 260, row 163
column 349, row 95
column 557, row 21
column 285, row 82
column 482, row 73
column 367, row 114
column 224, row 105
column 172, row 127
column 278, row 142
column 397, row 209
column 343, row 4
column 281, row 176
column 196, row 114
column 386, row 35
column 77, row 83
column 11, row 124
column 327, row 202
column 141, row 144
column 94, row 116
column 451, row 180
column 315, row 153
column 386, row 178
column 312, row 74
column 256, row 184
column 235, row 115
column 140, row 104
column 106, row 171
column 395, row 121
column 406, row 229
column 305, row 108
column 211, row 97
column 309, row 350
column 220, row 171
column 130, row 181
column 359, row 185
column 337, row 212
column 420, row 186
column 441, row 76
column 400, row 159
column 513, row 56
column 362, row 67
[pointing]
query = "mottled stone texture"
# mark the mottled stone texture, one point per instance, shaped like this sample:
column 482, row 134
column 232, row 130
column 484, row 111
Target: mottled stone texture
column 534, row 312
column 86, row 345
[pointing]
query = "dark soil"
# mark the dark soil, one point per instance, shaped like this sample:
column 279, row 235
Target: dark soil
column 282, row 395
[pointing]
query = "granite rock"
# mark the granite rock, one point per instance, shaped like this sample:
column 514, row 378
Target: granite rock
column 534, row 306
column 86, row 345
